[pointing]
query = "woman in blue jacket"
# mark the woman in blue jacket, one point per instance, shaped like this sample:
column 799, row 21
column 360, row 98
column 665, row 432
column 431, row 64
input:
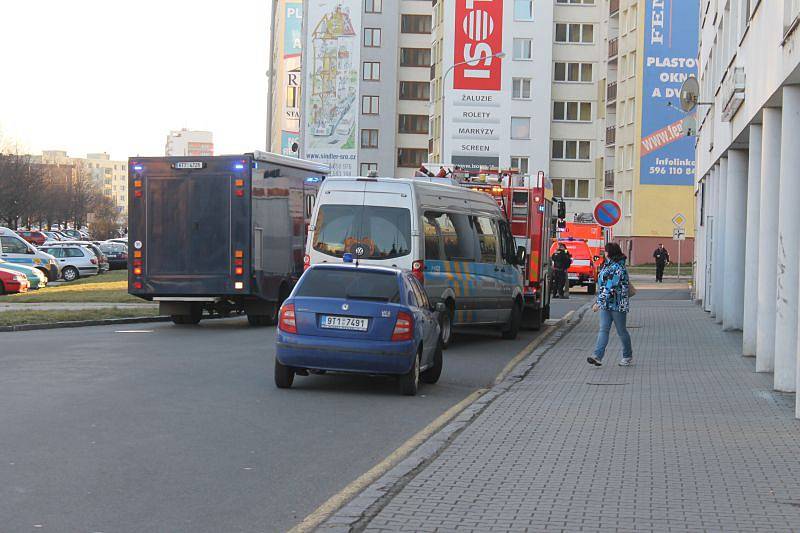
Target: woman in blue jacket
column 613, row 302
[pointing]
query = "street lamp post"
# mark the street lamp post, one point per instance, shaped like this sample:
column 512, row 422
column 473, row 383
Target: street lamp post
column 498, row 55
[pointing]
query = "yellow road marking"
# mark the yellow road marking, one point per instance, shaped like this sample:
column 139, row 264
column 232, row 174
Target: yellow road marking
column 338, row 500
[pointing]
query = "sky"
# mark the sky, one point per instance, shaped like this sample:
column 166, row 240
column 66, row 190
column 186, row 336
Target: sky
column 117, row 75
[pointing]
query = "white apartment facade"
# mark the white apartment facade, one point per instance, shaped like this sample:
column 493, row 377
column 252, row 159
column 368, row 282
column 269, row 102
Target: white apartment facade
column 111, row 176
column 365, row 85
column 189, row 142
column 748, row 178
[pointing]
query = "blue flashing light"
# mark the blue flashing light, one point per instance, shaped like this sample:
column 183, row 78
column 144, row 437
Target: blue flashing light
column 313, row 179
column 238, row 166
column 138, row 167
column 347, row 258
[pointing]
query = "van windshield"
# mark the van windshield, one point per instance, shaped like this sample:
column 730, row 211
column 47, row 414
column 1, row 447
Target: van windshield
column 382, row 232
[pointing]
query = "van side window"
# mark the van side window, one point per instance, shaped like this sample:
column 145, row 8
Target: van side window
column 13, row 245
column 506, row 244
column 487, row 238
column 457, row 234
column 433, row 239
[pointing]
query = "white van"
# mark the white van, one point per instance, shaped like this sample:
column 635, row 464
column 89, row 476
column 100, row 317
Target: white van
column 15, row 249
column 454, row 239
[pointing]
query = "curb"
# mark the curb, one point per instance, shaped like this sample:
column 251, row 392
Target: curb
column 355, row 515
column 82, row 323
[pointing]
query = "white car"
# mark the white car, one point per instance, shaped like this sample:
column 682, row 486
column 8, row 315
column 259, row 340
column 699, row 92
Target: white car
column 75, row 261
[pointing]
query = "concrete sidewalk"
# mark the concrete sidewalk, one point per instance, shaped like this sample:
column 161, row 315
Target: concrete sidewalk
column 688, row 439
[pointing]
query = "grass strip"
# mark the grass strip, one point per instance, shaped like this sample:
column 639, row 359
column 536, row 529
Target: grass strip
column 111, row 287
column 15, row 318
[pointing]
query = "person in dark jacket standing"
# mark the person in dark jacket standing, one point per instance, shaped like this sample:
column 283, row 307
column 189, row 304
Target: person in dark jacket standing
column 561, row 262
column 661, row 255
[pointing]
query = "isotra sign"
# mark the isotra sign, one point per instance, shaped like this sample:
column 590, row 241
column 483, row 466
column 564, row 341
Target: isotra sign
column 479, row 35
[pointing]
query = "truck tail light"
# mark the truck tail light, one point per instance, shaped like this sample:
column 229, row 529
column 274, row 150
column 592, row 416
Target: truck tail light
column 306, row 261
column 287, row 322
column 238, row 271
column 137, row 284
column 418, row 270
column 137, row 271
column 403, row 328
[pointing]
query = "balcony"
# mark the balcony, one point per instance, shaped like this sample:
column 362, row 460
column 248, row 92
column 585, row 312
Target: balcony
column 611, row 92
column 608, row 182
column 611, row 135
column 613, row 7
column 613, row 48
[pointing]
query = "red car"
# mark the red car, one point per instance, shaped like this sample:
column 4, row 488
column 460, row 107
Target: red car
column 12, row 282
column 34, row 237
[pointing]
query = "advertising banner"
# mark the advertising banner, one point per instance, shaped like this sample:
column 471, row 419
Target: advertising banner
column 292, row 29
column 667, row 156
column 478, row 35
column 332, row 58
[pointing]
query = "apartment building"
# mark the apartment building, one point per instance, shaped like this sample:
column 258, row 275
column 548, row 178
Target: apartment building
column 365, row 85
column 748, row 178
column 111, row 176
column 495, row 111
column 283, row 116
column 577, row 148
column 189, row 142
column 648, row 163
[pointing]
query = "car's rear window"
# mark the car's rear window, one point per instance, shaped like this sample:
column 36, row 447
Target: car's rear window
column 350, row 283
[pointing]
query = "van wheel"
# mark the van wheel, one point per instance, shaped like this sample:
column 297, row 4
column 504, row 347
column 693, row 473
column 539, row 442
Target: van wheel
column 432, row 374
column 70, row 273
column 409, row 383
column 511, row 329
column 446, row 326
column 284, row 375
column 592, row 289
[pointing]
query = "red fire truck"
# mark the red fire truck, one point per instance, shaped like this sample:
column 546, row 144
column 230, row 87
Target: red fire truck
column 527, row 202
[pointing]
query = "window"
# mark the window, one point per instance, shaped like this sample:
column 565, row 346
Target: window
column 629, row 157
column 415, row 90
column 415, row 57
column 385, row 232
column 73, row 252
column 523, row 49
column 571, row 188
column 413, row 124
column 574, row 33
column 449, row 237
column 371, row 71
column 632, row 64
column 12, row 245
column 487, row 238
column 370, row 105
column 415, row 24
column 520, row 127
column 366, row 168
column 571, row 150
column 521, row 89
column 292, row 96
column 411, row 157
column 523, row 9
column 573, row 72
column 55, row 251
column 373, row 6
column 419, row 292
column 520, row 163
column 631, row 110
column 572, row 111
column 369, row 138
column 372, row 37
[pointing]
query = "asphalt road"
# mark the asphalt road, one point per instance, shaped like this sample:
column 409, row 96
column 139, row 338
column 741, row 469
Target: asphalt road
column 153, row 427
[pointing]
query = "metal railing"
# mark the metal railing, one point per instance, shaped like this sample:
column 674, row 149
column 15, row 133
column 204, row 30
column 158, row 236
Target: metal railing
column 611, row 92
column 608, row 181
column 613, row 47
column 611, row 135
column 613, row 7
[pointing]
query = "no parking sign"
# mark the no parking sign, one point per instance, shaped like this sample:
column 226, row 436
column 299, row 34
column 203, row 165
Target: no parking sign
column 607, row 213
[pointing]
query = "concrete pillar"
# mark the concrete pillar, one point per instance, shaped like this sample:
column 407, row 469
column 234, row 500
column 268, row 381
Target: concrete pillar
column 699, row 280
column 750, row 326
column 720, row 230
column 711, row 228
column 788, row 245
column 768, row 238
column 735, row 230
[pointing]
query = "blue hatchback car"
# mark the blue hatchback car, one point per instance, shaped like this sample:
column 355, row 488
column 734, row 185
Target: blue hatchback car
column 370, row 320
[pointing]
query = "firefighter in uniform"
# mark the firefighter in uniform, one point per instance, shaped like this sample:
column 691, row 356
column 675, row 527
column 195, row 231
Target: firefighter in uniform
column 561, row 263
column 661, row 255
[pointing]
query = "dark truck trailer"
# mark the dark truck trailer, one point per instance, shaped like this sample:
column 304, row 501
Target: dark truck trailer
column 219, row 234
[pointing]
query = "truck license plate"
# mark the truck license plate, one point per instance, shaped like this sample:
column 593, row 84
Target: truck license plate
column 344, row 322
column 573, row 276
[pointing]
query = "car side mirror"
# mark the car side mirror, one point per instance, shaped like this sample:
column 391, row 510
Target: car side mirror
column 439, row 307
column 597, row 258
column 521, row 255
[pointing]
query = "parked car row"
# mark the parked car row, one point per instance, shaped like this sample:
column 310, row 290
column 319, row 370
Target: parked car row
column 55, row 258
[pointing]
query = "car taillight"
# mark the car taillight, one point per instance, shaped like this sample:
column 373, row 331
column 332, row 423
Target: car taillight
column 93, row 261
column 306, row 261
column 287, row 322
column 403, row 328
column 418, row 270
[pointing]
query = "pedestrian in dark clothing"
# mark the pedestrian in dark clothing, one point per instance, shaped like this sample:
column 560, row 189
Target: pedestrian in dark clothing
column 613, row 303
column 561, row 263
column 661, row 255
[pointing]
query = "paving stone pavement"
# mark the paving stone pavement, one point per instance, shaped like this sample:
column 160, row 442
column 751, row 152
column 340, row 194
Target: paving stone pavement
column 690, row 438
